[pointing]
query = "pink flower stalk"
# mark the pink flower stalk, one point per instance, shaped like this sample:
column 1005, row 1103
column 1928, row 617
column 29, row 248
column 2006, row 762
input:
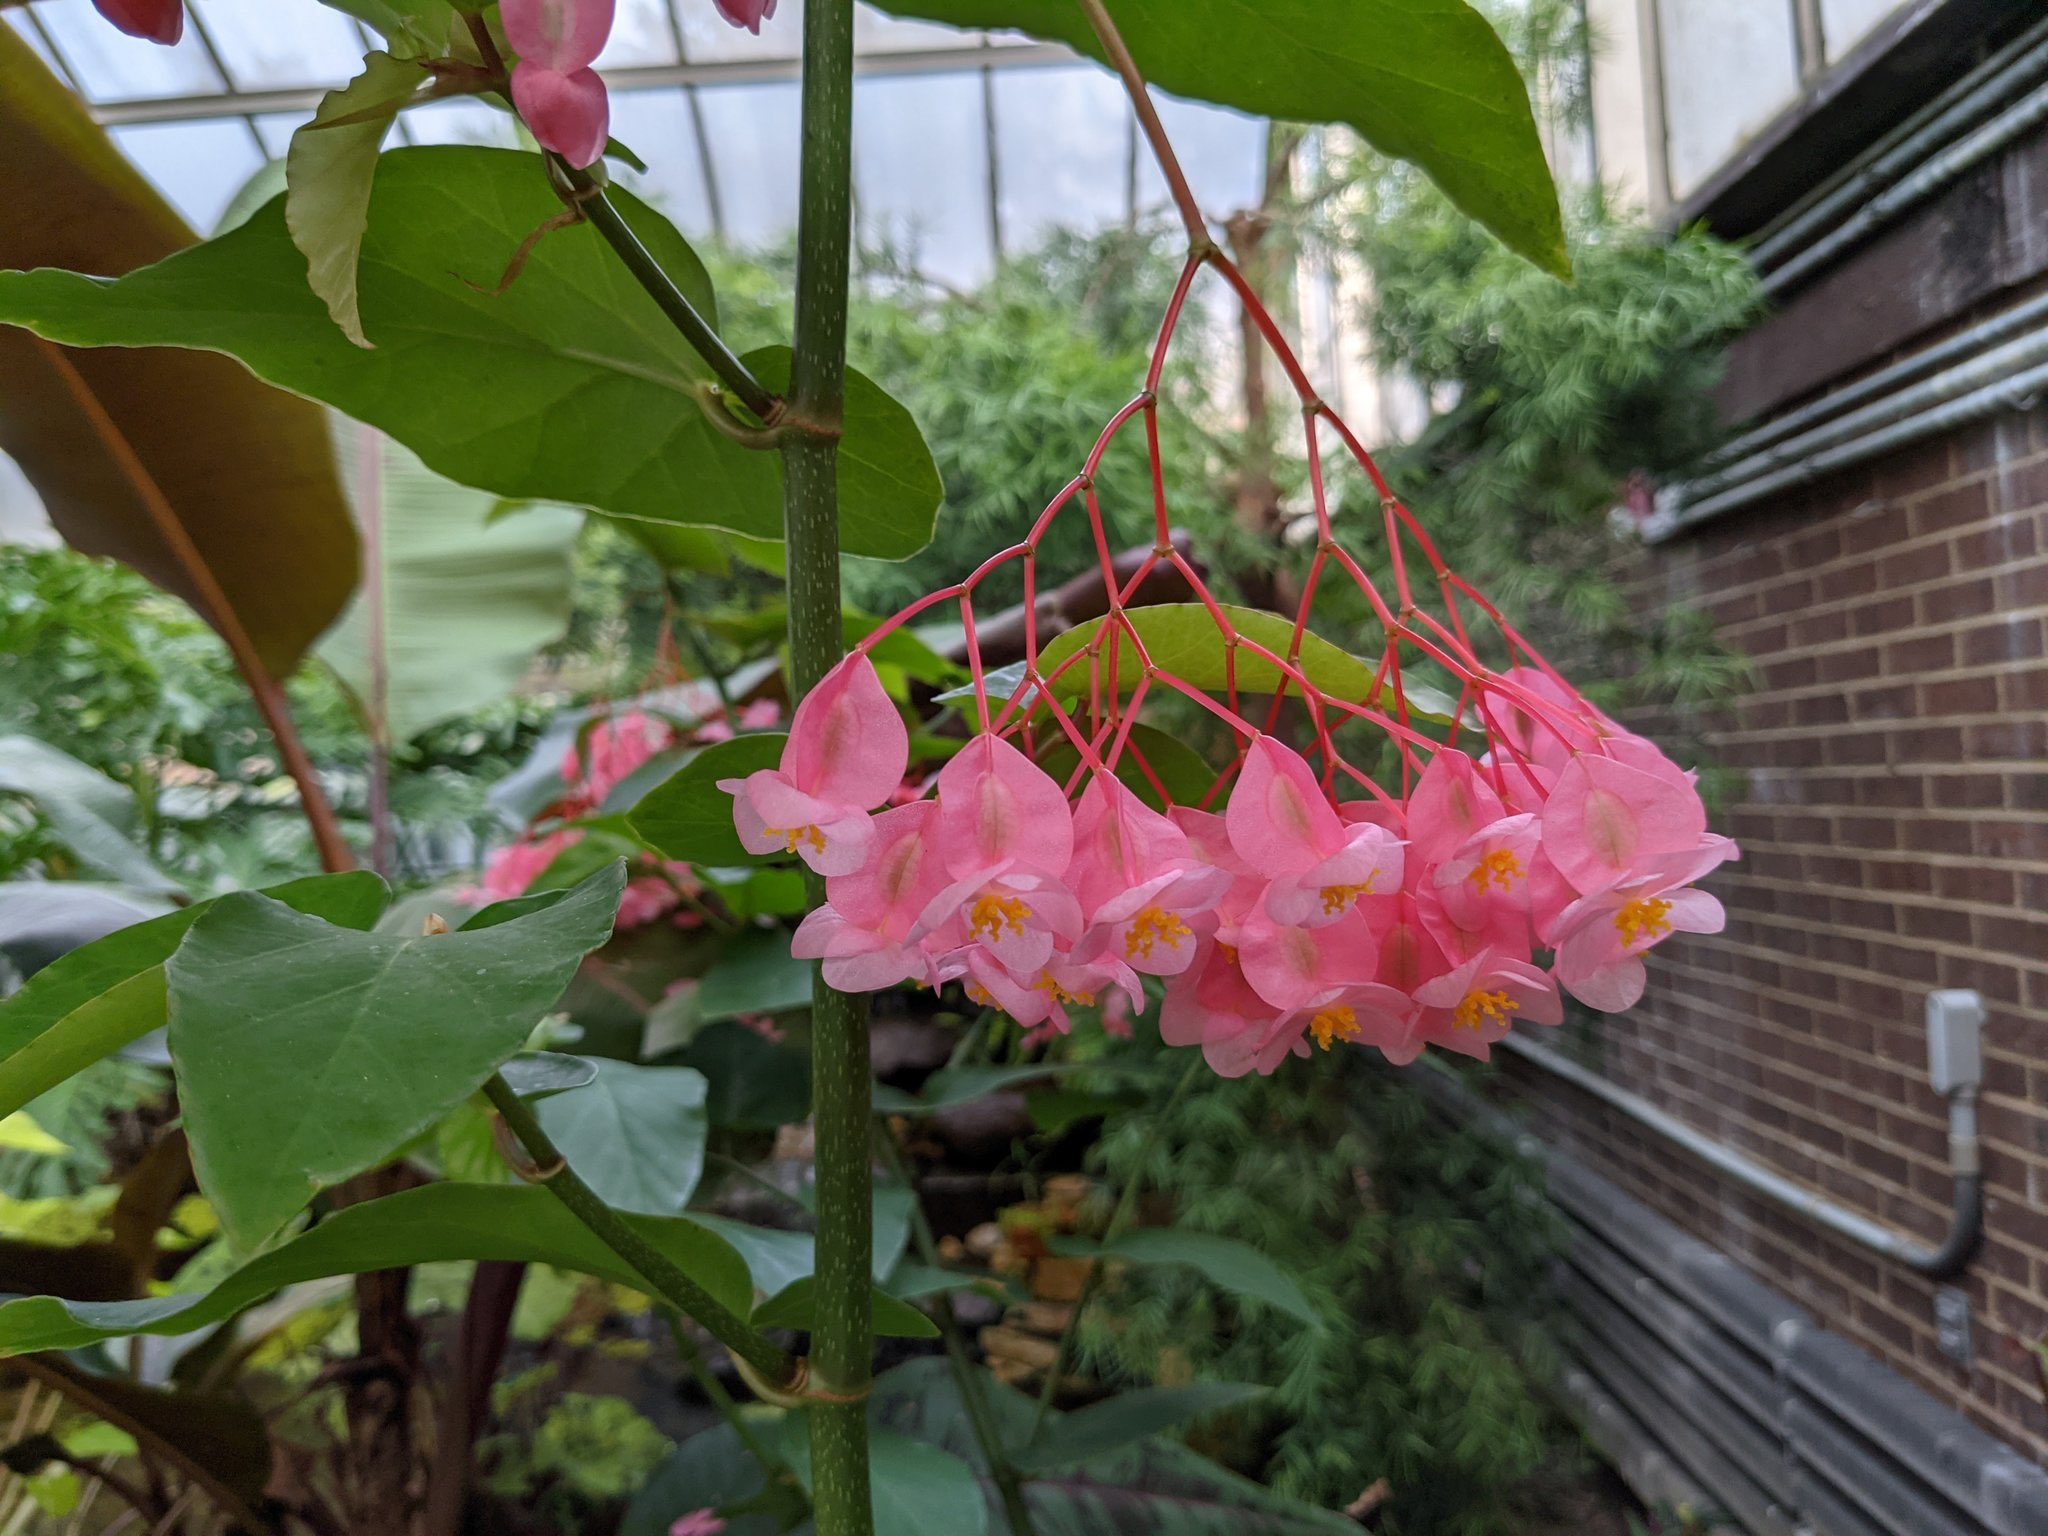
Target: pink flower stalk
column 746, row 13
column 848, row 749
column 558, row 94
column 1601, row 937
column 158, row 21
column 1283, row 826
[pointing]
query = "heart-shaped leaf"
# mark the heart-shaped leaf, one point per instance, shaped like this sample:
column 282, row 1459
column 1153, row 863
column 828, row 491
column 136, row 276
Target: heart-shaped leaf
column 635, row 1134
column 306, row 1053
column 689, row 817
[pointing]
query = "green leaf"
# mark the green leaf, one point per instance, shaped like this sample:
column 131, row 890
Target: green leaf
column 422, row 25
column 568, row 386
column 306, row 1053
column 689, row 818
column 422, row 1226
column 1182, row 638
column 755, row 974
column 459, row 590
column 1235, row 1267
column 795, row 1307
column 775, row 1258
column 916, row 1487
column 756, row 1085
column 635, row 1134
column 1185, row 773
column 543, row 1074
column 950, row 1086
column 713, row 1470
column 328, row 171
column 1151, row 1487
column 1128, row 1417
column 110, row 993
column 1426, row 81
column 245, row 469
column 93, row 814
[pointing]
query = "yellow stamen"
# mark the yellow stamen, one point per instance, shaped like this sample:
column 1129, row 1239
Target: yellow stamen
column 977, row 993
column 1228, row 952
column 1334, row 1024
column 791, row 836
column 1060, row 994
column 1482, row 1008
column 1337, row 897
column 1643, row 921
column 1153, row 926
column 1499, row 866
column 988, row 915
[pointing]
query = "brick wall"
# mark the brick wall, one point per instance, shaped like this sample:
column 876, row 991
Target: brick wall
column 1891, row 799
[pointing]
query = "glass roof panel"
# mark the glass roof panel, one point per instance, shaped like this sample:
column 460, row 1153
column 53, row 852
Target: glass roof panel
column 656, row 125
column 198, row 166
column 1062, row 151
column 268, row 45
column 1222, row 153
column 874, row 32
column 112, row 66
column 461, row 121
column 921, row 173
column 275, row 129
column 754, row 146
column 642, row 33
column 34, row 38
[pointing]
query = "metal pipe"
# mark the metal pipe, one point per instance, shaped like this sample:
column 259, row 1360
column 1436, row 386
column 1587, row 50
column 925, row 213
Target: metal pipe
column 1872, row 385
column 1945, row 118
column 1942, row 1262
column 1674, row 514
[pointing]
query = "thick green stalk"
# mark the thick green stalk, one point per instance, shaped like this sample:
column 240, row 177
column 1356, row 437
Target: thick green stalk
column 842, row 1341
column 669, row 1282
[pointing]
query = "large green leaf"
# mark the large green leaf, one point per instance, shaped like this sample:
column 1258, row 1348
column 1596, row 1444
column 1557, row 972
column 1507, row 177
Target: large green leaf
column 246, row 470
column 796, row 1306
column 567, row 386
column 93, row 815
column 756, row 1084
column 689, row 817
column 306, row 1053
column 422, row 1226
column 1126, row 1419
column 107, row 994
column 635, row 1134
column 755, row 974
column 459, row 589
column 712, row 1470
column 916, row 1486
column 1236, row 1267
column 1427, row 81
column 1182, row 638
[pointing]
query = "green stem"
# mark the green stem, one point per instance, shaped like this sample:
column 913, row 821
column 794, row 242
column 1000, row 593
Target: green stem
column 616, row 1233
column 1119, row 1218
column 970, row 1381
column 842, row 1340
column 715, row 1394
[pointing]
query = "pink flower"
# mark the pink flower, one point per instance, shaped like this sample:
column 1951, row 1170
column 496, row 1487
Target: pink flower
column 1449, row 803
column 700, row 1522
column 612, row 751
column 761, row 715
column 1601, row 937
column 1212, row 1005
column 646, row 899
column 1489, row 871
column 1138, row 879
column 847, row 752
column 1283, row 826
column 1293, row 967
column 1467, row 1009
column 1606, row 820
column 864, row 932
column 160, row 21
column 746, row 13
column 512, row 870
column 557, row 93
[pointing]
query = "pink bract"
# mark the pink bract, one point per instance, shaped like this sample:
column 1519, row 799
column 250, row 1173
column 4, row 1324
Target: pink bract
column 158, row 21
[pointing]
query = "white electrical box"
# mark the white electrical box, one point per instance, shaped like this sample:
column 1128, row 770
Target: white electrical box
column 1955, row 1052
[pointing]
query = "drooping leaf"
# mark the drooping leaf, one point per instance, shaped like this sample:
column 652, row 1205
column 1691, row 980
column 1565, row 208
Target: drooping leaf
column 94, row 815
column 107, row 994
column 795, row 1306
column 459, row 590
column 417, row 26
column 273, row 531
column 543, row 1074
column 690, row 818
column 713, row 1470
column 448, row 1221
column 1426, row 81
column 328, row 171
column 1152, row 1487
column 1182, row 638
column 756, row 1084
column 567, row 386
column 1236, row 1267
column 755, row 974
column 306, row 1052
column 776, row 1259
column 1185, row 773
column 1125, row 1419
column 635, row 1134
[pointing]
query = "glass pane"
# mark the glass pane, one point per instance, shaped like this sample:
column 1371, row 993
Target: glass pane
column 461, row 122
column 875, row 33
column 1729, row 66
column 754, row 144
column 641, row 34
column 277, row 44
column 112, row 66
column 20, row 22
column 1845, row 23
column 22, row 520
column 1223, row 154
column 709, row 37
column 1062, row 151
column 199, row 166
column 275, row 129
column 656, row 126
column 921, row 170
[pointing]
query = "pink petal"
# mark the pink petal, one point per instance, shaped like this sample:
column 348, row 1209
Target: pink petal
column 1279, row 821
column 847, row 742
column 1449, row 803
column 1611, row 988
column 159, row 21
column 558, row 35
column 1604, row 819
column 1695, row 912
column 996, row 805
column 568, row 113
column 746, row 13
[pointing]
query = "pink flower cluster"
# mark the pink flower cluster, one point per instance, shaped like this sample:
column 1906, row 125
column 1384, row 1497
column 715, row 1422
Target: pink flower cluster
column 1285, row 918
